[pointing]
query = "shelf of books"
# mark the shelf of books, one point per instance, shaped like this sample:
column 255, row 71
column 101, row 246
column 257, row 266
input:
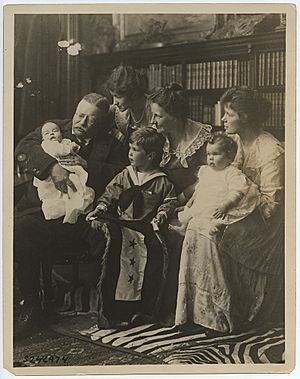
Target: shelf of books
column 206, row 81
column 206, row 69
column 270, row 68
column 203, row 81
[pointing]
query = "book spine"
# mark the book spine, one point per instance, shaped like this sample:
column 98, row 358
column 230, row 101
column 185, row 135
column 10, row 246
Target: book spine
column 218, row 77
column 180, row 74
column 276, row 77
column 217, row 114
column 225, row 74
column 205, row 69
column 156, row 75
column 222, row 74
column 284, row 72
column 200, row 75
column 208, row 75
column 248, row 73
column 150, row 71
column 235, row 73
column 188, row 76
column 262, row 69
column 192, row 76
column 269, row 69
column 230, row 73
column 197, row 76
column 213, row 74
column 273, row 68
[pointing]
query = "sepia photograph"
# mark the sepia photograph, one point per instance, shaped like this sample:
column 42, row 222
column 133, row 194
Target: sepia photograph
column 149, row 149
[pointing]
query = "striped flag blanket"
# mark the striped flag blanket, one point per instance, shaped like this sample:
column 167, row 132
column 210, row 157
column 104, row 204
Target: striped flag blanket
column 168, row 345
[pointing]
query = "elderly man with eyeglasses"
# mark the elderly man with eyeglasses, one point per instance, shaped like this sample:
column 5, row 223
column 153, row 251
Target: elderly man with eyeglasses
column 36, row 239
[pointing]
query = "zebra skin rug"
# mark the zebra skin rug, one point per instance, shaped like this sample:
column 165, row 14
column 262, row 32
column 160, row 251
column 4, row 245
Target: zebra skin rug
column 171, row 346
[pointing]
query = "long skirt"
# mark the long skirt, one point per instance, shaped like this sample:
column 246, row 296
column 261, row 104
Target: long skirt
column 235, row 283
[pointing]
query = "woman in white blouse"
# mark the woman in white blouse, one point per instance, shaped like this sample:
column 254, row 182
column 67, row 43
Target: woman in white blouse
column 241, row 283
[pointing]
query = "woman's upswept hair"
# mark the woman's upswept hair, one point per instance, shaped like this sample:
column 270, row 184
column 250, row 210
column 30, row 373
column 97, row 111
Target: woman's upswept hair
column 249, row 102
column 127, row 81
column 172, row 98
column 151, row 141
column 227, row 144
column 98, row 100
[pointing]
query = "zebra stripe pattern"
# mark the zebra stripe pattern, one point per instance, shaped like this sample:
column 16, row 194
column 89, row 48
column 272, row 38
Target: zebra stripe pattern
column 172, row 346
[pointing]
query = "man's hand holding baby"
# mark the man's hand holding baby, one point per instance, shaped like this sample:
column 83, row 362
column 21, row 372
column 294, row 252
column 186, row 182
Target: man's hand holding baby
column 73, row 160
column 60, row 177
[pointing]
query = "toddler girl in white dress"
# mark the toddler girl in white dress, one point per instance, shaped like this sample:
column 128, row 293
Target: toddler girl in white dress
column 223, row 194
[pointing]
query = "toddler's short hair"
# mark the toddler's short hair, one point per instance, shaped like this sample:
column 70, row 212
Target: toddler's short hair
column 151, row 141
column 227, row 144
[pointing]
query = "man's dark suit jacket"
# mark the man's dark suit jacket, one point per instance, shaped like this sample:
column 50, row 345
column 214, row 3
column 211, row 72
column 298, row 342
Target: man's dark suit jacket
column 105, row 156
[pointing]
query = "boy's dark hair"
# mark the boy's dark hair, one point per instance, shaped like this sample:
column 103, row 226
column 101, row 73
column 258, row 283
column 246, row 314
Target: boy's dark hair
column 150, row 141
column 228, row 145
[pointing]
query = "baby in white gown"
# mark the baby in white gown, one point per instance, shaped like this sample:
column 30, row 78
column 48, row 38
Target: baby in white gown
column 55, row 204
column 223, row 194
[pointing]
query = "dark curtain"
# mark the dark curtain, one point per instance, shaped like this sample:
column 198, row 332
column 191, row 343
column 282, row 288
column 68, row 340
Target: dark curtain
column 47, row 81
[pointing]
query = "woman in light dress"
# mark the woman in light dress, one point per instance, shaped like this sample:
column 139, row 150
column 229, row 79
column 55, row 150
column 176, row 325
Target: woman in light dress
column 239, row 282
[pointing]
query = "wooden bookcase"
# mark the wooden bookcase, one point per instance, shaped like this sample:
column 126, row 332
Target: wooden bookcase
column 206, row 69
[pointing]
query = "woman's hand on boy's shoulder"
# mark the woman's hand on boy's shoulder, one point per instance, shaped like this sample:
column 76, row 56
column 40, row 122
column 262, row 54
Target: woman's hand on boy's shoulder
column 73, row 160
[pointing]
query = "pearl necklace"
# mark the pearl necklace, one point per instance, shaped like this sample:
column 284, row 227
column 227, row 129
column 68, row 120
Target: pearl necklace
column 137, row 121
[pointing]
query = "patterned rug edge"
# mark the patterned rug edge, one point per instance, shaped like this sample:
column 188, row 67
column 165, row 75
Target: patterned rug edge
column 80, row 337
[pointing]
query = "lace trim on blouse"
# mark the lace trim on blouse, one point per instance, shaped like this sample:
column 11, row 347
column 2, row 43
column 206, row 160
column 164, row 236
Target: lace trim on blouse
column 182, row 154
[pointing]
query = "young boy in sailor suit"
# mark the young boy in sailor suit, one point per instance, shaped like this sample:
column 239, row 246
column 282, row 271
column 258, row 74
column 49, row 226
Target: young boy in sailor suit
column 136, row 203
column 141, row 191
